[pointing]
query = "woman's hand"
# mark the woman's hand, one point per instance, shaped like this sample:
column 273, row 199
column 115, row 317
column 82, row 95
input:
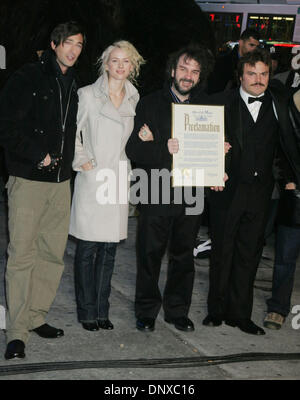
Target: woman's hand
column 145, row 134
column 87, row 166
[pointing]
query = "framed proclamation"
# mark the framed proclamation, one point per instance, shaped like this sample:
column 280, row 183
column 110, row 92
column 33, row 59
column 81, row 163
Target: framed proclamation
column 200, row 132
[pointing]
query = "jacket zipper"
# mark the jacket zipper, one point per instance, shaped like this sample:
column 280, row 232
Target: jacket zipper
column 63, row 120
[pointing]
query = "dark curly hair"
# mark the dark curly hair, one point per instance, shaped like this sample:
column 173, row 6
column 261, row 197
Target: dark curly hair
column 258, row 55
column 199, row 53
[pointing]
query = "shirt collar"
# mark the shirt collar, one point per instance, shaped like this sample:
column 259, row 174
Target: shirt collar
column 245, row 95
column 176, row 98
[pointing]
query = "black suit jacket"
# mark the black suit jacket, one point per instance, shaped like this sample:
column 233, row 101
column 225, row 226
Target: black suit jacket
column 286, row 164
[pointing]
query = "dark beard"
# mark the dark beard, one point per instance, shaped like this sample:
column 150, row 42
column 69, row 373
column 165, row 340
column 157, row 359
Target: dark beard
column 179, row 90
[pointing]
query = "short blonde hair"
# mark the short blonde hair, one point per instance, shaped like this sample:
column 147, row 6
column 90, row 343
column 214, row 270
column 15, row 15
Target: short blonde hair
column 136, row 59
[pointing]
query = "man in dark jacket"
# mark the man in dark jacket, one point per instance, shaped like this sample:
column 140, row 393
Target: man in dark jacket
column 224, row 76
column 38, row 108
column 150, row 147
column 287, row 247
column 259, row 131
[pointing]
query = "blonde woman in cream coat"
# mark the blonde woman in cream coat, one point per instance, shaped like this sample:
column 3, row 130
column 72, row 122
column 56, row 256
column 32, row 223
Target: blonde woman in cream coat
column 99, row 214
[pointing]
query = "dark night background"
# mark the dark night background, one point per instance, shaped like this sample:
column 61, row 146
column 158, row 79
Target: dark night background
column 155, row 27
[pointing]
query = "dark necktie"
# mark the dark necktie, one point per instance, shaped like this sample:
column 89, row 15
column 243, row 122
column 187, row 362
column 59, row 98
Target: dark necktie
column 253, row 99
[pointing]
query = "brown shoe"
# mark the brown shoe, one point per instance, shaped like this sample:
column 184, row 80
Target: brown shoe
column 274, row 320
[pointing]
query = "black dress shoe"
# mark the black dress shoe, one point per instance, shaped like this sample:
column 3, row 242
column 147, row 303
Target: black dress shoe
column 105, row 324
column 90, row 326
column 181, row 323
column 48, row 332
column 145, row 324
column 209, row 320
column 15, row 349
column 246, row 325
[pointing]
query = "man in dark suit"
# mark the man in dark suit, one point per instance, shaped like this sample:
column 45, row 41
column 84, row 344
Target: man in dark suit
column 164, row 223
column 259, row 130
column 224, row 76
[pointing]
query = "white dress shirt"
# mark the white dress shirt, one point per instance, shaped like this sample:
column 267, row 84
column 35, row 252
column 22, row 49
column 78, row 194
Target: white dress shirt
column 253, row 107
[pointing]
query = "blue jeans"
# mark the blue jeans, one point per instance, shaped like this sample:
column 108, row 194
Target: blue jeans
column 287, row 251
column 94, row 264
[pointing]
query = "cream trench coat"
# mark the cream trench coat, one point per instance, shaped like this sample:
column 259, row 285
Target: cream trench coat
column 102, row 133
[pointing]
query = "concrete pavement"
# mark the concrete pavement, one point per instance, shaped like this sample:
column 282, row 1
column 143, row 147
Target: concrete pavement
column 126, row 343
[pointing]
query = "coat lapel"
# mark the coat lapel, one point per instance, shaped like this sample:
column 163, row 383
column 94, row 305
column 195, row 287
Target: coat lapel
column 235, row 112
column 279, row 106
column 263, row 109
column 105, row 106
column 127, row 108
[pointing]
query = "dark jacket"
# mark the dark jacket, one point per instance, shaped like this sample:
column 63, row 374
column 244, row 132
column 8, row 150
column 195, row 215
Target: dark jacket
column 155, row 110
column 287, row 78
column 3, row 172
column 286, row 166
column 289, row 204
column 224, row 75
column 33, row 105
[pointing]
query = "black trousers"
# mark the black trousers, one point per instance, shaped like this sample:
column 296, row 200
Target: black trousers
column 154, row 235
column 237, row 242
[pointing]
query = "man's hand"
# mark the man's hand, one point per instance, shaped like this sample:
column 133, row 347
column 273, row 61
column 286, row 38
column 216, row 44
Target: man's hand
column 290, row 186
column 220, row 188
column 50, row 162
column 47, row 160
column 173, row 146
column 227, row 147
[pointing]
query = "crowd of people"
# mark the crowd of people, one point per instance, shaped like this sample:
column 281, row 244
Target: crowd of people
column 48, row 127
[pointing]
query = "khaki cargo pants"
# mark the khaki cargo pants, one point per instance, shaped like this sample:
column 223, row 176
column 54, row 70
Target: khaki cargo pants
column 38, row 222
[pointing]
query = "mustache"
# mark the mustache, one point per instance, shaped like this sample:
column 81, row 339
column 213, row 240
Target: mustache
column 258, row 84
column 186, row 80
